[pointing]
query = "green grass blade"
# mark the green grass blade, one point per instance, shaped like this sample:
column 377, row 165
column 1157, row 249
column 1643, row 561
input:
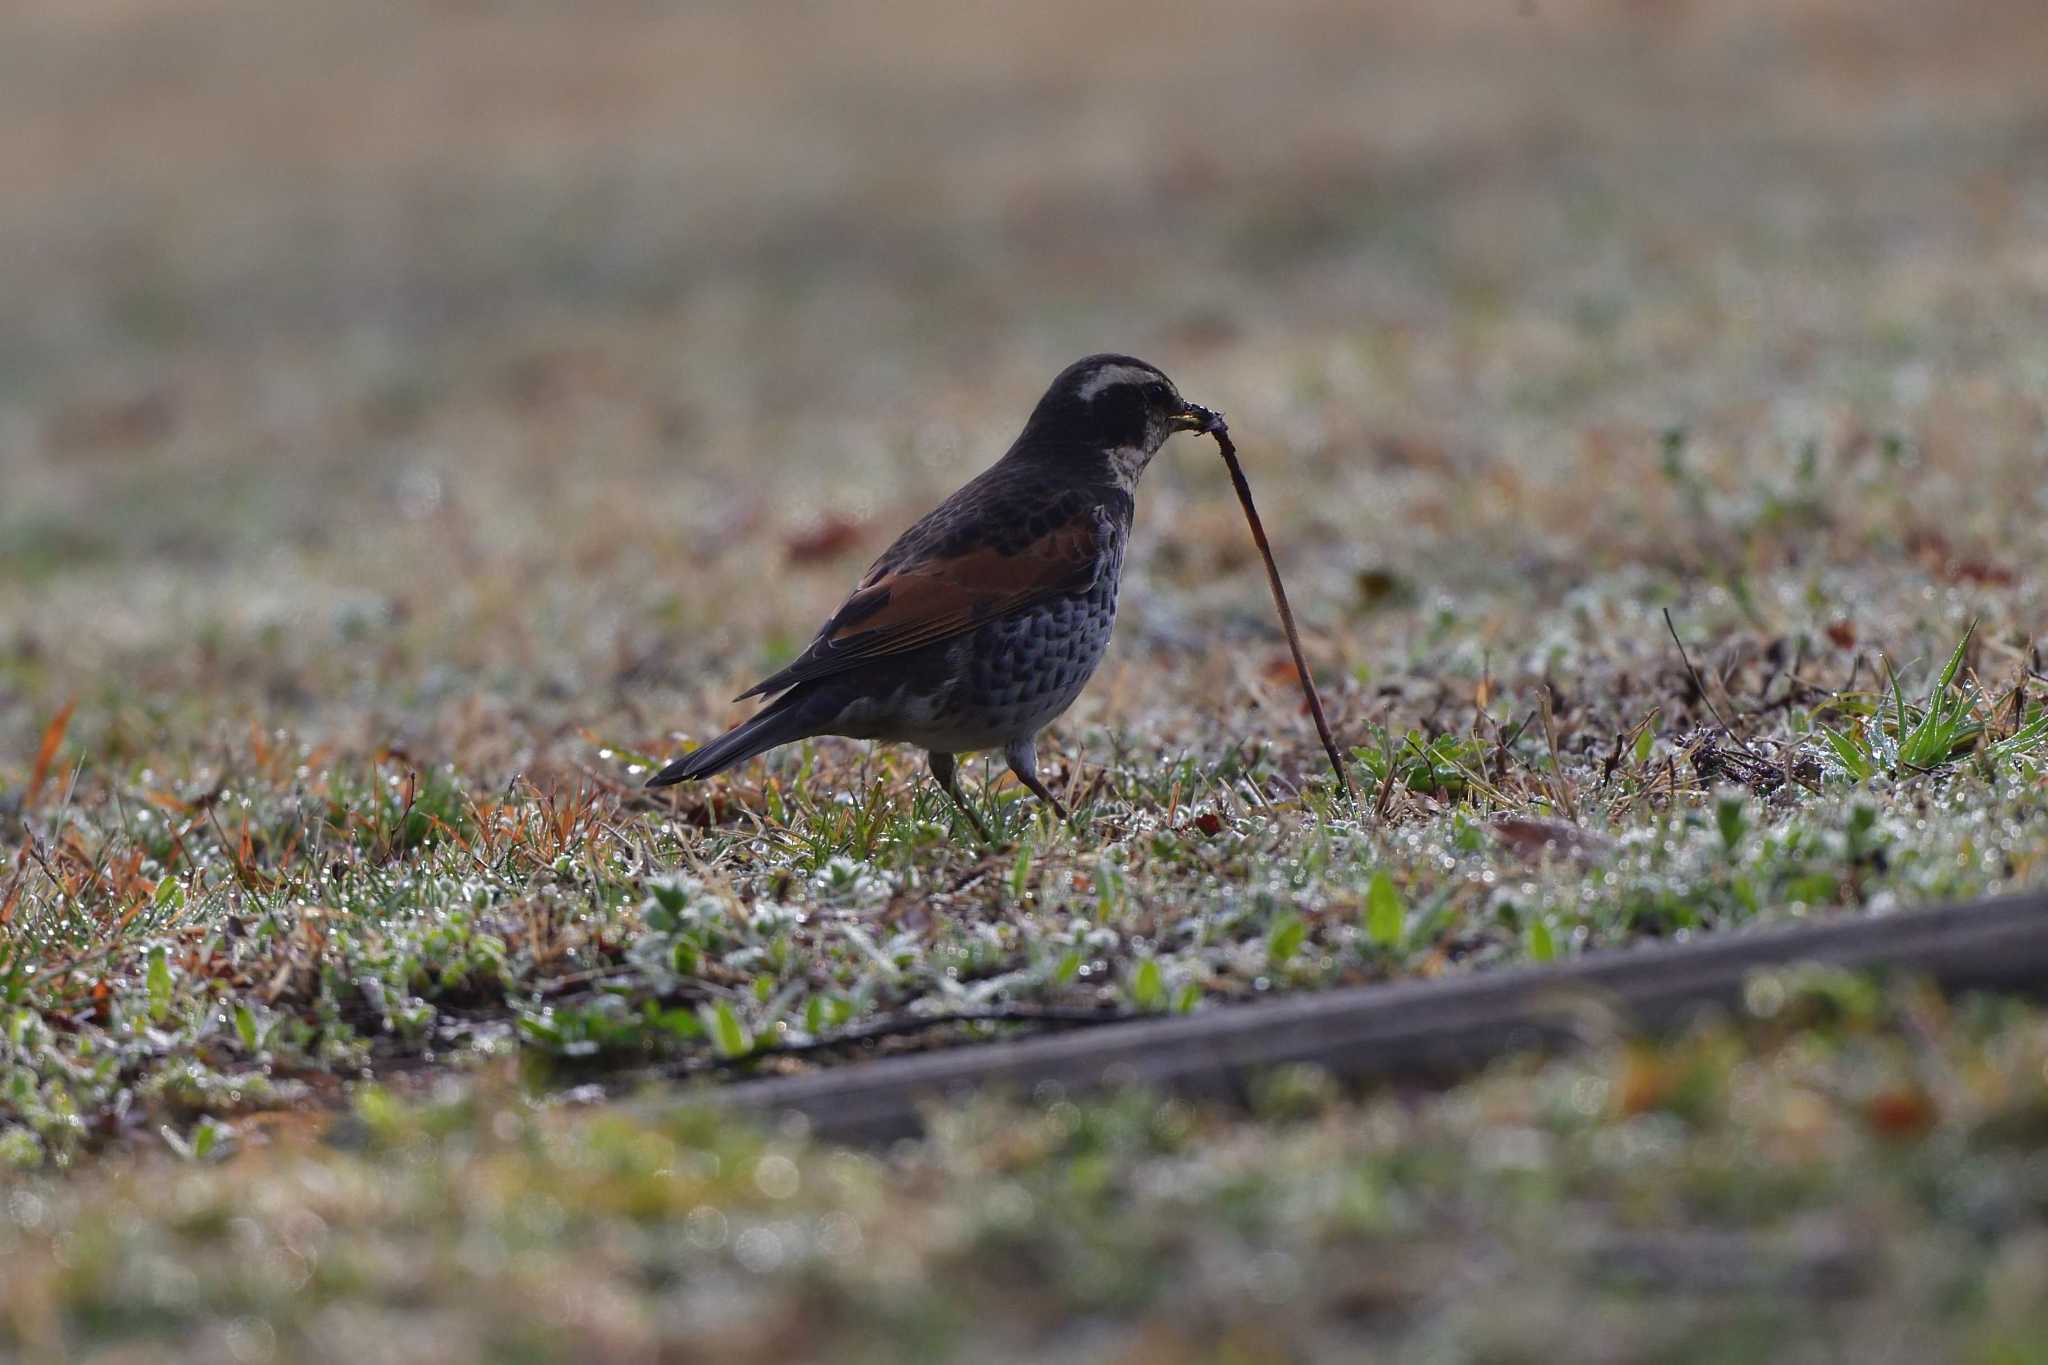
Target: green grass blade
column 1852, row 755
column 1948, row 673
column 2021, row 742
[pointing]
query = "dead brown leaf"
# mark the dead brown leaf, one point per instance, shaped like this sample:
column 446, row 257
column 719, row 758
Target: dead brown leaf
column 53, row 737
column 828, row 538
column 1530, row 836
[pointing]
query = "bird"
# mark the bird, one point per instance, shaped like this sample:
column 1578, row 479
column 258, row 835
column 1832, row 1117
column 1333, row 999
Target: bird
column 984, row 621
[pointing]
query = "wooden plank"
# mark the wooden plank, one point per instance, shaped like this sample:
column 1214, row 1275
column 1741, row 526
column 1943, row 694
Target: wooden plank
column 1433, row 1030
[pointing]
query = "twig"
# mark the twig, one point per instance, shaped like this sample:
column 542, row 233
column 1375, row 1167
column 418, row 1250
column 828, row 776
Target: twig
column 34, row 849
column 1560, row 784
column 1221, row 432
column 1700, row 683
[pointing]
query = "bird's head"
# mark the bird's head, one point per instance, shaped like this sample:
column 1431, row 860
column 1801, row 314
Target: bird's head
column 1113, row 408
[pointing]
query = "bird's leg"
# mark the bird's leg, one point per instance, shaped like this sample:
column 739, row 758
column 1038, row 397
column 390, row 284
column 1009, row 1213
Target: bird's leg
column 1023, row 756
column 946, row 770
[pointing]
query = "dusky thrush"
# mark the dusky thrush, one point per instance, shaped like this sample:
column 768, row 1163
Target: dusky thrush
column 984, row 621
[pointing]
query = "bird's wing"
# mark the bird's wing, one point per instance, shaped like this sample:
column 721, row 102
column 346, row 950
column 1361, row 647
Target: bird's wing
column 940, row 580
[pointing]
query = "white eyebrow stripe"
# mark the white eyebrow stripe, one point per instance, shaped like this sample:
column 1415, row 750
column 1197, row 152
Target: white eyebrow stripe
column 1110, row 375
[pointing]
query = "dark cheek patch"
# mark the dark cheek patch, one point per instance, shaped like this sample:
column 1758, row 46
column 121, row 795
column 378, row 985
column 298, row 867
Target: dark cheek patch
column 1120, row 412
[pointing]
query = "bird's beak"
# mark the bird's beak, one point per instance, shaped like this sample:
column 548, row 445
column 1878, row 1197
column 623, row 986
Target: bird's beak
column 1196, row 418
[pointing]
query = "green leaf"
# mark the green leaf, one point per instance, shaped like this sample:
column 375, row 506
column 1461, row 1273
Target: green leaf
column 1069, row 967
column 1020, row 871
column 728, row 1035
column 1542, row 947
column 2022, row 740
column 678, row 1023
column 158, row 981
column 1148, row 985
column 1466, row 836
column 669, row 899
column 1862, row 822
column 1732, row 818
column 245, row 1027
column 1285, row 939
column 1851, row 754
column 1186, row 998
column 1108, row 890
column 1385, row 918
column 1898, row 705
column 1953, row 667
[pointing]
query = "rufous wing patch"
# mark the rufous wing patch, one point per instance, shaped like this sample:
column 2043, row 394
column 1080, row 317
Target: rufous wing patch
column 907, row 606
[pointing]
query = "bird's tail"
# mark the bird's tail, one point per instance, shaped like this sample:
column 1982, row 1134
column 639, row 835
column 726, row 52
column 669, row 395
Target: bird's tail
column 785, row 720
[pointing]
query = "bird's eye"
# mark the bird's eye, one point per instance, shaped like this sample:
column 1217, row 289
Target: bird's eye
column 1156, row 391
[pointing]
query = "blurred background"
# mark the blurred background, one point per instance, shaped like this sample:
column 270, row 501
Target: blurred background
column 505, row 343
